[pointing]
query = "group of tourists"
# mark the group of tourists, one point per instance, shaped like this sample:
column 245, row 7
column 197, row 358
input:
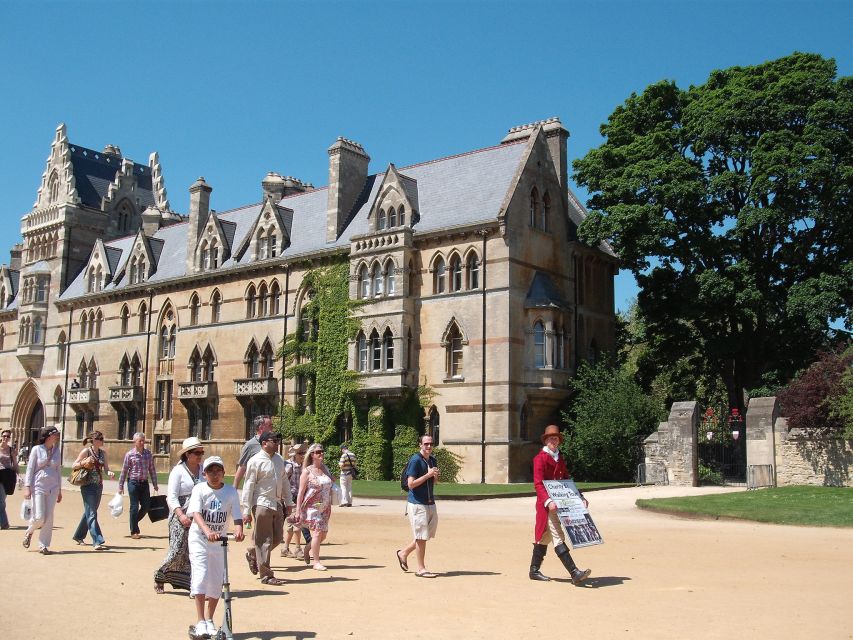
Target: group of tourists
column 287, row 500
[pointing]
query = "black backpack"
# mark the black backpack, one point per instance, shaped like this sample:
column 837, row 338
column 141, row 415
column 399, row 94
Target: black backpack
column 404, row 478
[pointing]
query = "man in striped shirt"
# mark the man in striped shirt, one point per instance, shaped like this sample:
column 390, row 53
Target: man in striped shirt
column 137, row 469
column 349, row 471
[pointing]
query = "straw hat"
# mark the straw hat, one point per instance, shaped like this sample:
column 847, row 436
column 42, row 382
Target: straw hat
column 552, row 430
column 190, row 444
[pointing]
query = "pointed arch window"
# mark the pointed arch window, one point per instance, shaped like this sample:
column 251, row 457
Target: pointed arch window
column 164, row 342
column 196, row 366
column 364, row 282
column 124, row 372
column 375, row 351
column 539, row 345
column 438, row 276
column 93, row 375
column 435, row 426
column 53, row 188
column 135, row 371
column 251, row 302
column 455, row 273
column 263, row 247
column 380, row 220
column 392, row 218
column 263, row 301
column 388, row 348
column 125, row 319
column 99, row 323
column 361, row 345
column 37, row 331
column 195, row 307
column 534, row 207
column 253, row 362
column 84, row 321
column 267, row 360
column 454, row 353
column 90, row 327
column 83, row 375
column 402, row 216
column 473, row 270
column 209, row 363
column 3, row 296
column 215, row 307
column 376, row 278
column 390, row 281
column 275, row 299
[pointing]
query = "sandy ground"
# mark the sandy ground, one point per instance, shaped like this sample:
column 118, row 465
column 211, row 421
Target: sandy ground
column 656, row 576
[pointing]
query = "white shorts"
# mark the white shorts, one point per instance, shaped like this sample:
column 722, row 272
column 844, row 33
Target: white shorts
column 424, row 520
column 208, row 568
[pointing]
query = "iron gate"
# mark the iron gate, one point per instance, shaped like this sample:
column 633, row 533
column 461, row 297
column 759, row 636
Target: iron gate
column 722, row 448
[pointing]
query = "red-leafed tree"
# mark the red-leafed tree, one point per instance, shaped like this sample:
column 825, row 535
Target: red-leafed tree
column 807, row 401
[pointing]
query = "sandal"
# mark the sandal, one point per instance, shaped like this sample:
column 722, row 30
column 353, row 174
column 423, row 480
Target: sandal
column 272, row 581
column 426, row 574
column 159, row 588
column 403, row 564
column 253, row 563
column 45, row 551
column 27, row 537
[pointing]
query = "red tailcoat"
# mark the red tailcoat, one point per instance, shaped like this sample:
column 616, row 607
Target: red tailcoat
column 544, row 468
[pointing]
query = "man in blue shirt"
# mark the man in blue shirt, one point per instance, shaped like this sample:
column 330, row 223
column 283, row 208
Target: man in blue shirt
column 420, row 507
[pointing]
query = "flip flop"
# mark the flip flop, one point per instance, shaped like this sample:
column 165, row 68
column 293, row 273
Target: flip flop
column 426, row 574
column 403, row 564
column 272, row 581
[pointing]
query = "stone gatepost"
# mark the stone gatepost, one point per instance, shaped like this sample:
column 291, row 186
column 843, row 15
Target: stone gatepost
column 761, row 415
column 683, row 427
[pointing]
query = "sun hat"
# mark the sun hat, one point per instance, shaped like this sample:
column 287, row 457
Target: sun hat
column 552, row 430
column 213, row 460
column 189, row 444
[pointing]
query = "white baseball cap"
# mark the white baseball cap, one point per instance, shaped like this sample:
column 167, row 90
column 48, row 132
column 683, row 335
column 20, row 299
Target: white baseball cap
column 211, row 461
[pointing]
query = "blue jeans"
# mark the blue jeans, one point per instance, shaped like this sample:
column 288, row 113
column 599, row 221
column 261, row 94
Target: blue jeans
column 89, row 522
column 4, row 519
column 140, row 499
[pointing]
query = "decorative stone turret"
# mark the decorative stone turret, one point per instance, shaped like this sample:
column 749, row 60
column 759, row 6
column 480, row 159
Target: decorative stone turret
column 158, row 186
column 555, row 134
column 15, row 254
column 348, row 164
column 199, row 211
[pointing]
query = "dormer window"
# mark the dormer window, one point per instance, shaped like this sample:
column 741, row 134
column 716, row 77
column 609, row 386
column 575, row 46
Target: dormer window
column 209, row 255
column 380, row 220
column 392, row 218
column 138, row 270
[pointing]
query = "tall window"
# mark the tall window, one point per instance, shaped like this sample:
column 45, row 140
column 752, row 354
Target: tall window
column 438, row 276
column 534, row 207
column 215, row 307
column 124, row 372
column 275, row 299
column 263, row 301
column 390, row 284
column 251, row 302
column 392, row 218
column 163, row 400
column 375, row 351
column 364, row 282
column 361, row 343
column 41, row 289
column 143, row 318
column 539, row 345
column 195, row 307
column 376, row 277
column 388, row 348
column 37, row 333
column 402, row 216
column 435, row 426
column 99, row 323
column 125, row 319
column 253, row 362
column 454, row 352
column 267, row 360
column 455, row 273
column 380, row 220
column 473, row 268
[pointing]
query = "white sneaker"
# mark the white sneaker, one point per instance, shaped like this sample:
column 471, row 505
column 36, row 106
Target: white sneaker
column 201, row 629
column 211, row 628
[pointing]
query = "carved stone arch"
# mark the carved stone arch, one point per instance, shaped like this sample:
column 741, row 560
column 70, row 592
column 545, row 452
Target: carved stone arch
column 435, row 256
column 250, row 288
column 53, row 187
column 213, row 295
column 253, row 344
column 25, row 413
column 93, row 366
column 446, row 333
column 209, row 348
column 390, row 259
column 467, row 254
column 165, row 308
column 299, row 300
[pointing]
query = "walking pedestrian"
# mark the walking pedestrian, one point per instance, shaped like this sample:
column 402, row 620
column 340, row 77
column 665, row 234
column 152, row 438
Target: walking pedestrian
column 138, row 469
column 314, row 502
column 422, row 472
column 93, row 458
column 349, row 471
column 43, row 484
column 8, row 473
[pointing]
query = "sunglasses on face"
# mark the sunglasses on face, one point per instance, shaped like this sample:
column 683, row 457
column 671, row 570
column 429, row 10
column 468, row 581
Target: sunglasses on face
column 196, row 453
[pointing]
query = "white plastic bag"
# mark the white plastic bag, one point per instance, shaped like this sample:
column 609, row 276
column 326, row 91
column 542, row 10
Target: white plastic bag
column 336, row 495
column 116, row 505
column 27, row 510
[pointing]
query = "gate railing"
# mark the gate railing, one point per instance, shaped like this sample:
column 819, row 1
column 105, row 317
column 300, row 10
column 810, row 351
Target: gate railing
column 759, row 475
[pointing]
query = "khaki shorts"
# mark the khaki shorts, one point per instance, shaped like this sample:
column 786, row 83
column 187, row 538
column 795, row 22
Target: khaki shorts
column 424, row 520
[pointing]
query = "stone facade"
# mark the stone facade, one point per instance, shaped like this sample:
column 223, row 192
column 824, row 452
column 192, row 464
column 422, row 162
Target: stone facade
column 120, row 314
column 802, row 459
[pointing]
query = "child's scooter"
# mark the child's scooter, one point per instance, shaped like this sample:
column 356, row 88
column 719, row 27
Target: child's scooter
column 226, row 630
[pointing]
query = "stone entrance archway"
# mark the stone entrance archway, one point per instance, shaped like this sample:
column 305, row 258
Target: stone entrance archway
column 27, row 416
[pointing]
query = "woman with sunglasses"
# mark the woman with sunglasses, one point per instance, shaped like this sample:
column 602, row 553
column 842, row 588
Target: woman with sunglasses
column 94, row 458
column 314, row 502
column 8, row 473
column 183, row 477
column 43, row 484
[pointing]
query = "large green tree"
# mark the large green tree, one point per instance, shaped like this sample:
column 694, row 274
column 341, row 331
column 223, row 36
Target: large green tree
column 730, row 203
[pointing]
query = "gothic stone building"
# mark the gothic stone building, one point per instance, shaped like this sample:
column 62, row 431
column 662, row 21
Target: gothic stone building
column 118, row 313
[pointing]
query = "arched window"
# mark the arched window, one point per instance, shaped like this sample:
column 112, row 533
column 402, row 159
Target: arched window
column 390, row 282
column 173, row 333
column 438, row 276
column 473, row 269
column 90, row 329
column 195, row 306
column 135, row 371
column 57, row 404
column 376, row 278
column 364, row 282
column 215, row 307
column 402, row 216
column 99, row 278
column 539, row 345
column 361, row 345
column 267, row 360
column 143, row 318
column 273, row 244
column 392, row 218
column 90, row 286
column 164, row 342
column 196, row 366
column 380, row 220
column 99, row 323
column 93, row 374
column 455, row 273
column 124, row 372
column 453, row 354
column 263, row 301
column 534, row 207
column 37, row 325
column 61, row 351
column 559, row 355
column 546, row 211
column 132, row 271
column 83, row 323
column 125, row 319
column 2, row 337
column 53, row 188
column 275, row 299
column 251, row 302
column 263, row 247
column 253, row 362
column 209, row 364
column 388, row 347
column 83, row 375
column 375, row 351
column 205, row 256
column 434, row 426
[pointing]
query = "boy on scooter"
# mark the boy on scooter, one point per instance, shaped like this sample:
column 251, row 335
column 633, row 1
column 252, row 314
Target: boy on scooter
column 210, row 505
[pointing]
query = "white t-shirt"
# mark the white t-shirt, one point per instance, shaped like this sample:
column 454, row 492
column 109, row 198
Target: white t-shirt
column 215, row 506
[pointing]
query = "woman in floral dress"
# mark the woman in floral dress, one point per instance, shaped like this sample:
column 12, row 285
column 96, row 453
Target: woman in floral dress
column 314, row 502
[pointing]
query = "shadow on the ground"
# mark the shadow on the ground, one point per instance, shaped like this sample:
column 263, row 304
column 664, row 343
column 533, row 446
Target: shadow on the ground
column 595, row 583
column 461, row 574
column 275, row 635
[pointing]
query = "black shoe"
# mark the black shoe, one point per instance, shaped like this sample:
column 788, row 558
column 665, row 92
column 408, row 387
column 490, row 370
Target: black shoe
column 579, row 575
column 535, row 574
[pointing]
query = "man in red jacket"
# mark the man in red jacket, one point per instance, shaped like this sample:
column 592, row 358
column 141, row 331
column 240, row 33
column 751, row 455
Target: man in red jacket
column 549, row 464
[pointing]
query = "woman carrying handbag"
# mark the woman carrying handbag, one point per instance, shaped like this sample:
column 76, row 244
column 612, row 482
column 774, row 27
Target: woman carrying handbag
column 93, row 458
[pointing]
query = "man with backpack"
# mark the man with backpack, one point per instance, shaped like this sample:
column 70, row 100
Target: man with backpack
column 421, row 473
column 349, row 472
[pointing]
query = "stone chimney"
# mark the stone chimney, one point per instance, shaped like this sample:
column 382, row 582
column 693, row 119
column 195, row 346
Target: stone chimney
column 199, row 211
column 273, row 187
column 15, row 254
column 555, row 135
column 347, row 174
column 151, row 219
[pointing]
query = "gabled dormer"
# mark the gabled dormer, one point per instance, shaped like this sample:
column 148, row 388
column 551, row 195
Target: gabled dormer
column 396, row 203
column 269, row 235
column 214, row 243
column 141, row 262
column 98, row 272
column 58, row 185
column 8, row 286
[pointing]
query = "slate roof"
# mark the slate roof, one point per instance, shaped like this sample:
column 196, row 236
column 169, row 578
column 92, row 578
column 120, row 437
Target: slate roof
column 544, row 293
column 453, row 191
column 95, row 171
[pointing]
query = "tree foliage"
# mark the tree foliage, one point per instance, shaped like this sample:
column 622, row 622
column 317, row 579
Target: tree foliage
column 816, row 398
column 607, row 422
column 730, row 203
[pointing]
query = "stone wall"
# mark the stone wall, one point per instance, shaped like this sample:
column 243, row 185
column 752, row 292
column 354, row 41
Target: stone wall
column 803, row 459
column 673, row 445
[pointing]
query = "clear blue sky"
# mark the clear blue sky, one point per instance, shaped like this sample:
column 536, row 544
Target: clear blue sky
column 233, row 90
